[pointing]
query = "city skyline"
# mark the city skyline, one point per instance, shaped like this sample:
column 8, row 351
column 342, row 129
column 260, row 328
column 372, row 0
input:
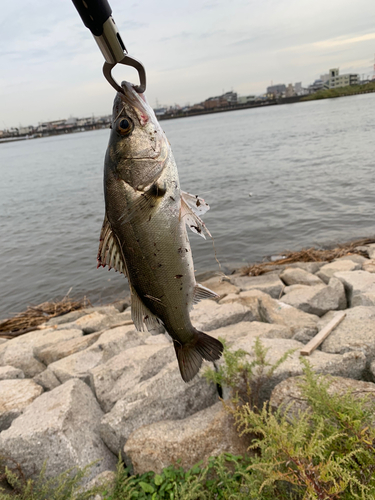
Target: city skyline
column 52, row 66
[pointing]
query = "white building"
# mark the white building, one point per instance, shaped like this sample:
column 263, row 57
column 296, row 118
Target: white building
column 335, row 80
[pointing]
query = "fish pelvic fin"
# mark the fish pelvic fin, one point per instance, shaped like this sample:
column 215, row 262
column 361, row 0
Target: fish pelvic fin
column 191, row 355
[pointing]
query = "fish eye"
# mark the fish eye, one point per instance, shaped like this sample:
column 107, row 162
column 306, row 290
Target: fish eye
column 124, row 127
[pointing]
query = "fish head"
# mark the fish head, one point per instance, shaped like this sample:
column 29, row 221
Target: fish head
column 138, row 147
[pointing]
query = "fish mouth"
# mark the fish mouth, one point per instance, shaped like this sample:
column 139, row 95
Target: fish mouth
column 136, row 102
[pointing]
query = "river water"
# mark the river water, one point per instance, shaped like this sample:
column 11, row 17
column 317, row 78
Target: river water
column 276, row 178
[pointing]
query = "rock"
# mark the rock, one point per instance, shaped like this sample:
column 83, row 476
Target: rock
column 110, row 343
column 318, row 299
column 183, row 443
column 100, row 320
column 219, row 286
column 63, row 349
column 9, row 372
column 66, row 318
column 106, row 479
column 355, row 333
column 268, row 283
column 228, row 299
column 354, row 257
column 15, row 396
column 254, row 329
column 369, row 266
column 275, row 311
column 111, row 381
column 20, row 351
column 59, row 427
column 329, row 270
column 288, row 395
column 47, row 380
column 349, row 365
column 371, row 250
column 293, row 288
column 2, row 341
column 208, row 315
column 357, row 283
column 297, row 276
column 162, row 397
column 310, row 267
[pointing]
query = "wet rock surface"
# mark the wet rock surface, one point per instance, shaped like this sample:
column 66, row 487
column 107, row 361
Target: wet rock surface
column 88, row 386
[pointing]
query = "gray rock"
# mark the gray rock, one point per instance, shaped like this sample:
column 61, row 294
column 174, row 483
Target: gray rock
column 355, row 333
column 99, row 320
column 371, row 250
column 111, row 381
column 20, row 351
column 293, row 288
column 63, row 349
column 369, row 266
column 228, row 299
column 47, row 380
column 9, row 372
column 318, row 299
column 288, row 395
column 254, row 329
column 364, row 299
column 310, row 267
column 183, row 443
column 15, row 396
column 296, row 276
column 59, row 427
column 351, row 364
column 275, row 311
column 267, row 283
column 208, row 315
column 165, row 396
column 220, row 286
column 2, row 341
column 329, row 270
column 354, row 257
column 106, row 479
column 66, row 318
column 110, row 343
column 357, row 283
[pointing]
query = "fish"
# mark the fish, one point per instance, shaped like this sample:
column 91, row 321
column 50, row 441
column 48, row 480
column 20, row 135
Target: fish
column 144, row 233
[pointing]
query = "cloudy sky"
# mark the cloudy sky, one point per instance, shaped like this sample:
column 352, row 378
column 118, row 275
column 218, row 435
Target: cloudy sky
column 51, row 65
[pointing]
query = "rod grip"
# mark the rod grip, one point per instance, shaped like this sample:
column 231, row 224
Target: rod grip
column 94, row 14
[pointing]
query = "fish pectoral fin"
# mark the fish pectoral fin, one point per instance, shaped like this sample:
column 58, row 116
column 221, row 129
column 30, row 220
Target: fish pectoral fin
column 191, row 355
column 146, row 202
column 195, row 203
column 201, row 292
column 142, row 317
column 191, row 219
column 109, row 253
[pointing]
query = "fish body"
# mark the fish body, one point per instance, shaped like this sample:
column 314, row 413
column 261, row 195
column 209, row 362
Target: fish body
column 144, row 231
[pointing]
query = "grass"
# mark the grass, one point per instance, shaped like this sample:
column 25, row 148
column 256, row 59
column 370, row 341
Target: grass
column 341, row 91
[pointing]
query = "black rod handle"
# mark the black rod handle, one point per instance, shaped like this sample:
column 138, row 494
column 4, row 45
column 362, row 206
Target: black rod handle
column 94, row 14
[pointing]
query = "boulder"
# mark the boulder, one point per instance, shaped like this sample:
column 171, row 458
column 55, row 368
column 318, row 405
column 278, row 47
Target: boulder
column 63, row 349
column 355, row 333
column 59, row 427
column 110, row 343
column 354, row 257
column 329, row 270
column 293, row 288
column 228, row 299
column 47, row 380
column 15, row 396
column 318, row 299
column 100, row 320
column 351, row 364
column 288, row 394
column 111, row 381
column 183, row 443
column 268, row 283
column 357, row 283
column 297, row 276
column 275, row 311
column 208, row 315
column 73, row 316
column 371, row 250
column 9, row 372
column 20, row 351
column 254, row 328
column 309, row 267
column 369, row 266
column 163, row 397
column 220, row 286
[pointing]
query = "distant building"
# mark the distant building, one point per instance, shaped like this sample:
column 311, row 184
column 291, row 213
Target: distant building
column 276, row 90
column 246, row 99
column 335, row 80
column 160, row 111
column 289, row 92
column 299, row 90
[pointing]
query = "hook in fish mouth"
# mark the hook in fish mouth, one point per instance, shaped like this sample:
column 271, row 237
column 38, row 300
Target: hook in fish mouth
column 127, row 61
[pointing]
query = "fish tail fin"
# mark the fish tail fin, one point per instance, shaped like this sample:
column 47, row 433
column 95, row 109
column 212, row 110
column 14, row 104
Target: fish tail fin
column 191, row 355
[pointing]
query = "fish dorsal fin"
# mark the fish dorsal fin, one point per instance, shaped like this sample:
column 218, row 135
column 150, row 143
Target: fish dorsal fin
column 201, row 293
column 191, row 218
column 195, row 203
column 109, row 253
column 142, row 317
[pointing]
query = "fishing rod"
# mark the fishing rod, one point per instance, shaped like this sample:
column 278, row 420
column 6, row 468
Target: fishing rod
column 97, row 17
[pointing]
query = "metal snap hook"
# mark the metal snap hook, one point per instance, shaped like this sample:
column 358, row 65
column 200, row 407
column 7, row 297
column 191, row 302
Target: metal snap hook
column 127, row 61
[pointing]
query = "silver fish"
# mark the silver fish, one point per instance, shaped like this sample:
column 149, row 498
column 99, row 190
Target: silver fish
column 144, row 231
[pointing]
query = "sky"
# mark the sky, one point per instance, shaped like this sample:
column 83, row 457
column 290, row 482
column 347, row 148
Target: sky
column 51, row 67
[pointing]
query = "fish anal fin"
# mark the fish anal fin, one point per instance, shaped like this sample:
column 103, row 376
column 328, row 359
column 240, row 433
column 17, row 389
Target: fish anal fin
column 201, row 293
column 109, row 253
column 190, row 356
column 142, row 317
column 193, row 220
